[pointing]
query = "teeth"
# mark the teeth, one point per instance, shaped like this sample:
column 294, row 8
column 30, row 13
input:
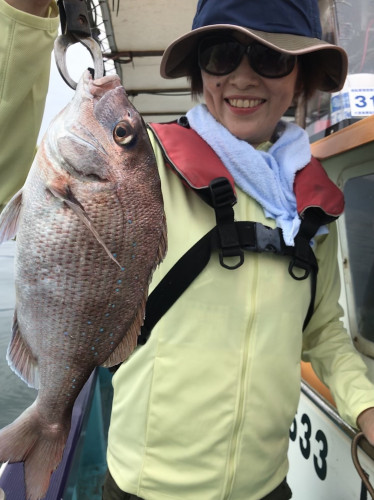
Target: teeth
column 245, row 103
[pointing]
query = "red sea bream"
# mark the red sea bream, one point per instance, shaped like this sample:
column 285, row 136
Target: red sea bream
column 90, row 229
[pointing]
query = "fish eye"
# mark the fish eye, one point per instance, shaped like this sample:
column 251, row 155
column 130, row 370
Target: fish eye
column 123, row 133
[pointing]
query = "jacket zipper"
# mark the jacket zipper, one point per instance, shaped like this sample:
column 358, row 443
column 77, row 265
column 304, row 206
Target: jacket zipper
column 239, row 419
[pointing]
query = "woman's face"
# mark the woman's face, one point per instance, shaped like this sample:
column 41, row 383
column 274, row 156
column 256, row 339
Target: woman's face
column 247, row 104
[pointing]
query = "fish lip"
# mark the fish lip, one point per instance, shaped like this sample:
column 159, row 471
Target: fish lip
column 99, row 87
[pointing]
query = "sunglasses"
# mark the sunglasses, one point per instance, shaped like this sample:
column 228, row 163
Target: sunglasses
column 221, row 55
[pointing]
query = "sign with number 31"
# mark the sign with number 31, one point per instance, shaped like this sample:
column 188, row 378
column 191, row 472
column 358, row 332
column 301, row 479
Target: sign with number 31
column 361, row 101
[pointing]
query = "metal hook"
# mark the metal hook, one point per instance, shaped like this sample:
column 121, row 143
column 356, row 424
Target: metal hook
column 63, row 42
column 357, row 464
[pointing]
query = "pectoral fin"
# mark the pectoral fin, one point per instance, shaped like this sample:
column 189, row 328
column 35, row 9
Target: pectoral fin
column 67, row 196
column 129, row 341
column 9, row 218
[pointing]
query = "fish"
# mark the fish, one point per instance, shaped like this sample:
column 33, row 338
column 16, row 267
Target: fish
column 90, row 230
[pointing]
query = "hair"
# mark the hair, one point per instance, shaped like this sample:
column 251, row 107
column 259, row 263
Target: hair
column 194, row 76
column 308, row 81
column 310, row 75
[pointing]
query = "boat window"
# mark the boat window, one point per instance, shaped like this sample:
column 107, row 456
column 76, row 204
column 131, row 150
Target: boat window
column 359, row 220
column 348, row 24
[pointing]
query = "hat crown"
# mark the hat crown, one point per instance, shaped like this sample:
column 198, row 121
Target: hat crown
column 297, row 17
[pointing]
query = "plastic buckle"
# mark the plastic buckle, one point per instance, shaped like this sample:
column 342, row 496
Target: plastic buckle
column 268, row 239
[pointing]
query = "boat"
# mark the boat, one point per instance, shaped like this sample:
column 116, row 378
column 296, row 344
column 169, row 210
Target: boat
column 321, row 465
column 133, row 36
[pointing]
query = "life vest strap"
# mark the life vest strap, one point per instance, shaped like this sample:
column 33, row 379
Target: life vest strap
column 231, row 239
column 319, row 202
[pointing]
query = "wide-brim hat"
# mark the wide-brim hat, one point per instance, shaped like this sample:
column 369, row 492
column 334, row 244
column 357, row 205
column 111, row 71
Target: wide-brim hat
column 289, row 26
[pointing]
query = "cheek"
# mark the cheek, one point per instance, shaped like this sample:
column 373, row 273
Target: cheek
column 211, row 85
column 286, row 97
column 285, row 91
column 212, row 93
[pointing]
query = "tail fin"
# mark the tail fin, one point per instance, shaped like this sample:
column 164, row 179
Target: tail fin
column 36, row 444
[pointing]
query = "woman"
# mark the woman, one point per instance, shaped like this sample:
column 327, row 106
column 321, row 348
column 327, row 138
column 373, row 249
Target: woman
column 202, row 411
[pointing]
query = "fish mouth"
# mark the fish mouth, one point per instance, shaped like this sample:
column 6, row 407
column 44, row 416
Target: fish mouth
column 99, row 87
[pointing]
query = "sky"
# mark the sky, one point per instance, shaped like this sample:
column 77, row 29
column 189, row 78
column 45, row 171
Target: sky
column 59, row 93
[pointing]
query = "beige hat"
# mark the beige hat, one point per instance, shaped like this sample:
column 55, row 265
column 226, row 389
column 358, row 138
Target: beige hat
column 329, row 60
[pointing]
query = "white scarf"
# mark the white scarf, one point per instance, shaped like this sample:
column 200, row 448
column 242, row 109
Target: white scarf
column 268, row 177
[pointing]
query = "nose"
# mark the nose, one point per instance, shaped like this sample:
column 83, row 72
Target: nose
column 244, row 76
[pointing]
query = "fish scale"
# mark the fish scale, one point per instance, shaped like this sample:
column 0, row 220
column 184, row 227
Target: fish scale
column 90, row 230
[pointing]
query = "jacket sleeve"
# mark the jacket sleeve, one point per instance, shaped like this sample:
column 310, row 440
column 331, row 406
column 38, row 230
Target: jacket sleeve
column 327, row 344
column 25, row 55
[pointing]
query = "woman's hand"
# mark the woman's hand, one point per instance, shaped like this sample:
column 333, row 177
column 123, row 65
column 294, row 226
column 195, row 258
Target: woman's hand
column 35, row 7
column 365, row 422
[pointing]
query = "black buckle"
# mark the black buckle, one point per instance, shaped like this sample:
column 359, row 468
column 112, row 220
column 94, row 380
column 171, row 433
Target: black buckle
column 268, row 239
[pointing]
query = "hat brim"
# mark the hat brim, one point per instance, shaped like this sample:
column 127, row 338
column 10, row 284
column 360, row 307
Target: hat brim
column 331, row 60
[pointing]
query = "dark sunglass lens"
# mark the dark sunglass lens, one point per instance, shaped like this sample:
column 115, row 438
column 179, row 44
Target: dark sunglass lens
column 219, row 57
column 270, row 63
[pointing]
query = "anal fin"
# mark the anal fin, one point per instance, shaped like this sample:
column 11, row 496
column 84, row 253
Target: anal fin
column 21, row 359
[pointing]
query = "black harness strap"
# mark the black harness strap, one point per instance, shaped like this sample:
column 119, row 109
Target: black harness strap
column 176, row 281
column 231, row 239
column 303, row 256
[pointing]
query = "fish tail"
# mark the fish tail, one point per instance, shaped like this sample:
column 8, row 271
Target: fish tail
column 38, row 445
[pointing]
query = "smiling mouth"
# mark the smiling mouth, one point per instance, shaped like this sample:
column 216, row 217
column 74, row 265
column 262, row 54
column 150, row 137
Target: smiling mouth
column 245, row 103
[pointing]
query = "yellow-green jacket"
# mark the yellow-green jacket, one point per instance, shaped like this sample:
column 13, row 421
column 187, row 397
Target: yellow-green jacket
column 203, row 410
column 25, row 51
